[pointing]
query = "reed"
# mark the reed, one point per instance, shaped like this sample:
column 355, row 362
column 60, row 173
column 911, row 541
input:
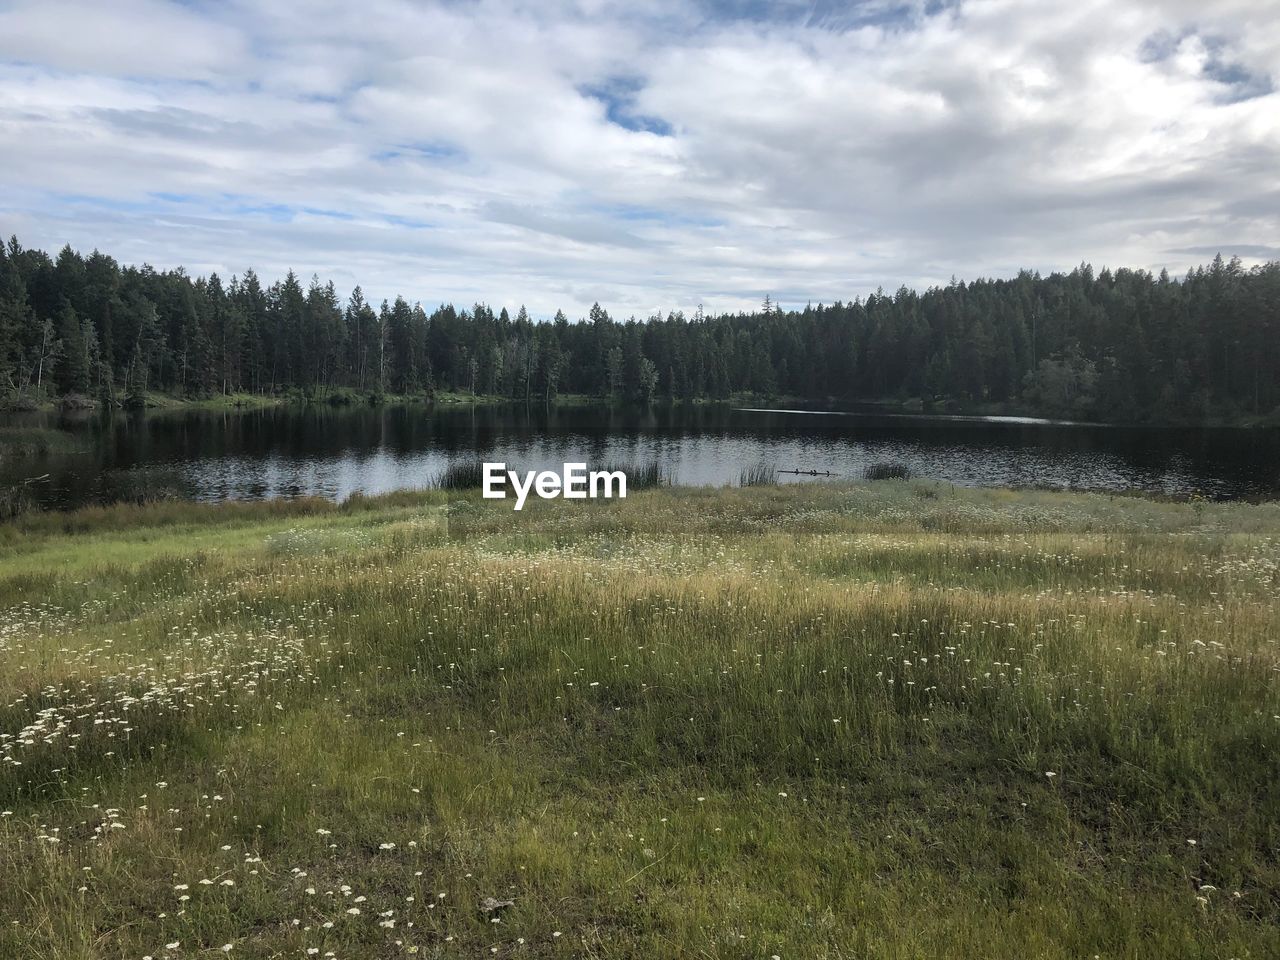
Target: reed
column 461, row 475
column 890, row 470
column 641, row 476
column 15, row 501
column 758, row 475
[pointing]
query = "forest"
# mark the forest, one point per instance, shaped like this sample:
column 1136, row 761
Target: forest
column 1122, row 346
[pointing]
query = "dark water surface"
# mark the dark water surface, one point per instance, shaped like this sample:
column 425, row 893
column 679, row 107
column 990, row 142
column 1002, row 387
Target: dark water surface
column 334, row 452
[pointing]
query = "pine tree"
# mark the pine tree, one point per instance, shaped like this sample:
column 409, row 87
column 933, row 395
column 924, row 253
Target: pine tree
column 14, row 319
column 75, row 366
column 1121, row 343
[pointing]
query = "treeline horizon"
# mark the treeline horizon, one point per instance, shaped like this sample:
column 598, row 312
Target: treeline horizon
column 1122, row 345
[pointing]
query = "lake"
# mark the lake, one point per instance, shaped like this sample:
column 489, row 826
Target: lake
column 336, row 451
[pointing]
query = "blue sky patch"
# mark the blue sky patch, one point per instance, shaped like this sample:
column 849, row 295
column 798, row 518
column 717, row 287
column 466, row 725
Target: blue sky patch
column 618, row 94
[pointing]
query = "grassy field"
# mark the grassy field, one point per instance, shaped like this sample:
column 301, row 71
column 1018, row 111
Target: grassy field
column 875, row 720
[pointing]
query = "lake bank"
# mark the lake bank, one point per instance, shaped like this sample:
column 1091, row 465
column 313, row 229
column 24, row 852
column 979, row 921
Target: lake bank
column 338, row 397
column 912, row 406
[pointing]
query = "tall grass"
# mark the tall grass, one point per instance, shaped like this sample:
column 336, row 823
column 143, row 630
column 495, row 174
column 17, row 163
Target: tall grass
column 15, row 500
column 641, row 476
column 758, row 475
column 461, row 475
column 810, row 721
column 144, row 485
column 888, row 470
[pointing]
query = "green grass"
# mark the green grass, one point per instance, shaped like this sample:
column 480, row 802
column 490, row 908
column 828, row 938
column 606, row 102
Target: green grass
column 808, row 721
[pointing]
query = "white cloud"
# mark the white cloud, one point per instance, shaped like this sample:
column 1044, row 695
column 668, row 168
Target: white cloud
column 138, row 38
column 507, row 151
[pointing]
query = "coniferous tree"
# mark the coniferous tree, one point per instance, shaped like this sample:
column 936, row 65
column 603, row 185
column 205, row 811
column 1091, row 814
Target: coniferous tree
column 74, row 364
column 14, row 321
column 1112, row 344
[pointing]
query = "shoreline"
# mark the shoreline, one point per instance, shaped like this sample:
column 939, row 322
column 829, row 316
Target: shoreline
column 340, row 398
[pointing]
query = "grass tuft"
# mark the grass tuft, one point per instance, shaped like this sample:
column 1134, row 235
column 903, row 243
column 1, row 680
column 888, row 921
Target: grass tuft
column 890, row 470
column 461, row 475
column 758, row 475
column 641, row 476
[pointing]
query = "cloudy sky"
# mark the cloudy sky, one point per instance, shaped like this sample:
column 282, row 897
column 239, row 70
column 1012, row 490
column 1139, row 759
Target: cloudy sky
column 647, row 154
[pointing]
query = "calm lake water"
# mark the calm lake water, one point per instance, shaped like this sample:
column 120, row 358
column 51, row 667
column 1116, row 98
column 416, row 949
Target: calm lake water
column 334, row 452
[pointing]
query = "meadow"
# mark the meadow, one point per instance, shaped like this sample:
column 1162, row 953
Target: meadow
column 886, row 720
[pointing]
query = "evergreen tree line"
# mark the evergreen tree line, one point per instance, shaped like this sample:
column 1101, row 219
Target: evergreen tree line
column 1123, row 345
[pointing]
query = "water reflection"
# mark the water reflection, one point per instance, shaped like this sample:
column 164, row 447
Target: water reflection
column 334, row 452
